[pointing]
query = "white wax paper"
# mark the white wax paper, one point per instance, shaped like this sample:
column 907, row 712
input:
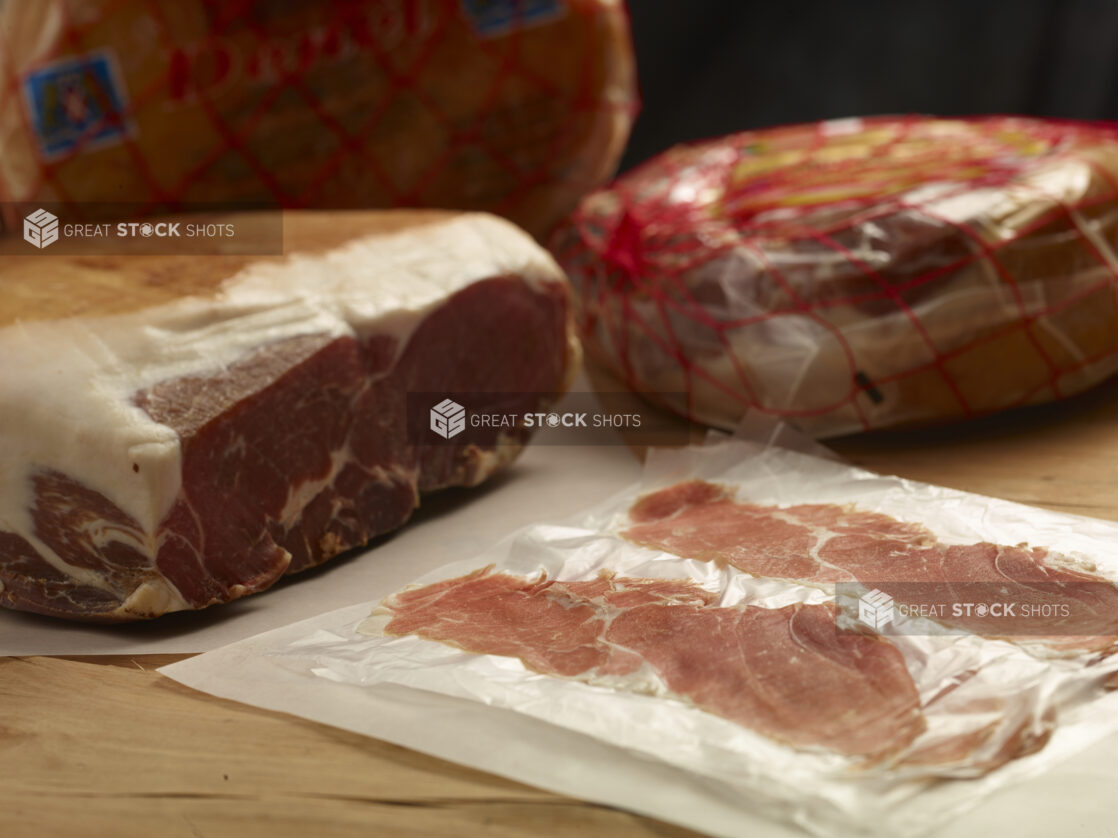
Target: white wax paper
column 727, row 772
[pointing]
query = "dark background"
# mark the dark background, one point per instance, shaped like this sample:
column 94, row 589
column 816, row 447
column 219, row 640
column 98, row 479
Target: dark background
column 710, row 67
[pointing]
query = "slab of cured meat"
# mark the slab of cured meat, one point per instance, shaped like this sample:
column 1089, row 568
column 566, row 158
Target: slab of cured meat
column 827, row 543
column 179, row 431
column 783, row 672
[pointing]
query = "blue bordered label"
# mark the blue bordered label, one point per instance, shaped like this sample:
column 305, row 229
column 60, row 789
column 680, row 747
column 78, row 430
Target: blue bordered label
column 491, row 18
column 77, row 104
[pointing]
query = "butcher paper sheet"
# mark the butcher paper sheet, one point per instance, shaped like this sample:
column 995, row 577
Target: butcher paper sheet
column 665, row 757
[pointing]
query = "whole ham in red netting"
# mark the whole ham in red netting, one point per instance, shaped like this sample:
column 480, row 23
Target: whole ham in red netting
column 857, row 274
column 514, row 106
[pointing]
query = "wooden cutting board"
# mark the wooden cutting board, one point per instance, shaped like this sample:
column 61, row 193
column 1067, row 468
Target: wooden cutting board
column 116, row 749
column 50, row 284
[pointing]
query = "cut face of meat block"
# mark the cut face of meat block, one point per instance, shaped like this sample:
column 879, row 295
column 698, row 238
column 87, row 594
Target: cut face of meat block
column 172, row 445
column 784, row 673
column 826, row 543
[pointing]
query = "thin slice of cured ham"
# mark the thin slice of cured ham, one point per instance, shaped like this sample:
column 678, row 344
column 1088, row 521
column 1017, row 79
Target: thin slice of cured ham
column 784, row 673
column 827, row 543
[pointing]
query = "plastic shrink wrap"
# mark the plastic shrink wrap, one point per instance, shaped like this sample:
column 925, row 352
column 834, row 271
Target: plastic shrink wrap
column 857, row 274
column 849, row 730
column 517, row 107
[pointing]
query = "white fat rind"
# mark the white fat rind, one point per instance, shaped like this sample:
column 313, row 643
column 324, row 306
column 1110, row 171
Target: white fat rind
column 152, row 598
column 67, row 386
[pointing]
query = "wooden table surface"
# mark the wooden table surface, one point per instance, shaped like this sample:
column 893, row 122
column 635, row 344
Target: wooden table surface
column 105, row 746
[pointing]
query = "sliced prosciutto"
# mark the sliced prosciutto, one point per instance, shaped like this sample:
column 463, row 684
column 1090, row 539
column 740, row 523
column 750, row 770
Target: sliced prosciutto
column 827, row 543
column 784, row 673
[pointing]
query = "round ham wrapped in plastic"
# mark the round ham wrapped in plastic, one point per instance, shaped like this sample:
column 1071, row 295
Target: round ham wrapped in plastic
column 857, row 274
column 122, row 108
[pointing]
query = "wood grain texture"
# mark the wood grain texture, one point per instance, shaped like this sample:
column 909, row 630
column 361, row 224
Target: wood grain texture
column 44, row 286
column 90, row 749
column 1061, row 456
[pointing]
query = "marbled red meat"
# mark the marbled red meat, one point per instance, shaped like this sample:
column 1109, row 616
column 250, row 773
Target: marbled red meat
column 785, row 673
column 827, row 543
column 282, row 443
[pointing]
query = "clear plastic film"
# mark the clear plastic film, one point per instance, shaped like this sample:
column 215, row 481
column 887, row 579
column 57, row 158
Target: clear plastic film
column 857, row 274
column 994, row 710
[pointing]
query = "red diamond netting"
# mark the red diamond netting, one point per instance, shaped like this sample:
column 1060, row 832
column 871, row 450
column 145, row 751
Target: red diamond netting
column 857, row 274
column 514, row 106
